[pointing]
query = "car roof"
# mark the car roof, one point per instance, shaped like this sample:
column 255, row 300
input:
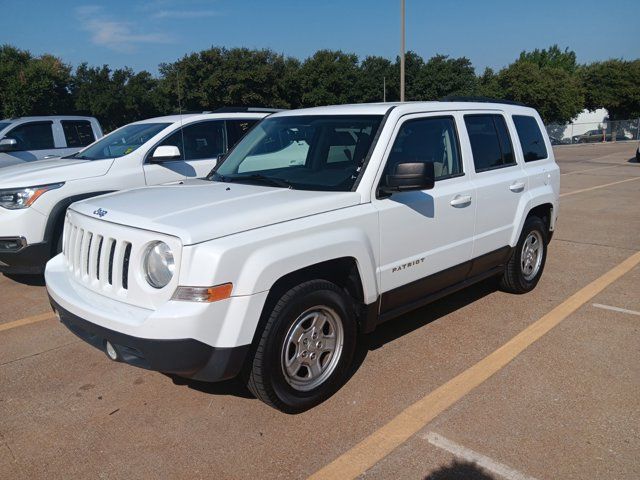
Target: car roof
column 193, row 117
column 404, row 108
column 47, row 117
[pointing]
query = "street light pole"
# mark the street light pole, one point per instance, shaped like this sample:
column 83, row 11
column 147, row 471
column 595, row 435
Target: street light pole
column 402, row 50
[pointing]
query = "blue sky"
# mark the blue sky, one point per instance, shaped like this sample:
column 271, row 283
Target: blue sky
column 143, row 33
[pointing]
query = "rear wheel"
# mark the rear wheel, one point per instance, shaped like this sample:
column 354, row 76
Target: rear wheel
column 524, row 269
column 306, row 348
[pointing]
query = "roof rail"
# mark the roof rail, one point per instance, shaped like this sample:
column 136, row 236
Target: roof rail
column 247, row 109
column 454, row 98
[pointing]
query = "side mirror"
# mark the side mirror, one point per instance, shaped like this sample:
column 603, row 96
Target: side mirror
column 407, row 177
column 165, row 153
column 220, row 157
column 8, row 144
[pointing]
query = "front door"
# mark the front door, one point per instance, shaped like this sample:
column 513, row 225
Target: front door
column 426, row 237
column 199, row 144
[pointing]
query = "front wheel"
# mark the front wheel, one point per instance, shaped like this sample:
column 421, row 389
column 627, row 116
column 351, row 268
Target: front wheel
column 306, row 348
column 524, row 269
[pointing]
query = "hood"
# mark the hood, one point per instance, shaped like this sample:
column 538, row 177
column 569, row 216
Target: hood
column 52, row 170
column 203, row 211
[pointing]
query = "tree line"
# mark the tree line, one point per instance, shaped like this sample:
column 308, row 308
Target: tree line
column 550, row 80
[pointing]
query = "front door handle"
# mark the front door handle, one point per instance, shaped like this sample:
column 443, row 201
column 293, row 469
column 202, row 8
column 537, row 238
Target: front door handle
column 460, row 201
column 516, row 187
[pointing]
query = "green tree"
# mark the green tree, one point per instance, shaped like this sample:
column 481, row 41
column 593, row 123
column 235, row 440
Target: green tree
column 441, row 76
column 115, row 97
column 32, row 85
column 552, row 57
column 329, row 77
column 229, row 77
column 554, row 91
column 374, row 73
column 613, row 85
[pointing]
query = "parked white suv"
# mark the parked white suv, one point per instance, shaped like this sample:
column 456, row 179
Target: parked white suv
column 35, row 196
column 25, row 139
column 272, row 268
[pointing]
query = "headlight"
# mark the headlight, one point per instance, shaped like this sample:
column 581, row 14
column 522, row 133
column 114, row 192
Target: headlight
column 16, row 198
column 158, row 264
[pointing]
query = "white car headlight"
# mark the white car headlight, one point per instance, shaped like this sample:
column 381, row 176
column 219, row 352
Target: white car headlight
column 16, row 198
column 159, row 264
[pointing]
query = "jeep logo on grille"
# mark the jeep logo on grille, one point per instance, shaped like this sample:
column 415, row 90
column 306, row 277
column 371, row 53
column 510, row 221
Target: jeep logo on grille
column 100, row 212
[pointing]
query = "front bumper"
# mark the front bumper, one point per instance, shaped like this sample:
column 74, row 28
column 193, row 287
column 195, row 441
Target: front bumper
column 185, row 357
column 30, row 259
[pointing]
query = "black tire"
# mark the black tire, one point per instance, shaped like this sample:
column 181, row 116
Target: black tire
column 514, row 279
column 266, row 377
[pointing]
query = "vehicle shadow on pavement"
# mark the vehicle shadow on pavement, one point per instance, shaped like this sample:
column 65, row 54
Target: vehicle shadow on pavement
column 398, row 327
column 459, row 470
column 234, row 387
column 30, row 280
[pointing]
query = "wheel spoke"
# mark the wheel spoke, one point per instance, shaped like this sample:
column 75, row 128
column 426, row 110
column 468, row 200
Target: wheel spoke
column 293, row 365
column 314, row 368
column 328, row 343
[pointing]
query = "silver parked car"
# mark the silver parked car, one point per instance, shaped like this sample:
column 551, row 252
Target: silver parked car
column 25, row 139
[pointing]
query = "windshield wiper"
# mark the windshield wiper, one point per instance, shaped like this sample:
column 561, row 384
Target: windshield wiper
column 276, row 182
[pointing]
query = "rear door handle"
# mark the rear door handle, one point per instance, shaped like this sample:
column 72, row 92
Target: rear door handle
column 460, row 201
column 516, row 187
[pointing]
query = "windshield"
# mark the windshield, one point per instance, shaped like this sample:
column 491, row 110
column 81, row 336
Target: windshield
column 121, row 142
column 320, row 152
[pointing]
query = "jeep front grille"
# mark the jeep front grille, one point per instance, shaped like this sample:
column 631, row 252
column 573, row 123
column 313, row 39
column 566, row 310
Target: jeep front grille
column 95, row 258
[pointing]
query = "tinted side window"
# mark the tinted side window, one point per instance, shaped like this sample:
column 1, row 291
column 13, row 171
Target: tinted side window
column 490, row 142
column 77, row 133
column 533, row 147
column 201, row 140
column 432, row 140
column 33, row 136
column 236, row 129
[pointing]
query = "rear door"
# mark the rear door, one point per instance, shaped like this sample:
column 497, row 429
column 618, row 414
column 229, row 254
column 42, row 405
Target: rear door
column 539, row 164
column 499, row 179
column 77, row 135
column 35, row 141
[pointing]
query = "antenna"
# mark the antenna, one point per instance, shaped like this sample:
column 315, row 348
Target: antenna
column 184, row 155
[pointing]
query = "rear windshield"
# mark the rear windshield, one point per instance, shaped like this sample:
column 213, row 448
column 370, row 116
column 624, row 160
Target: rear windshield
column 121, row 142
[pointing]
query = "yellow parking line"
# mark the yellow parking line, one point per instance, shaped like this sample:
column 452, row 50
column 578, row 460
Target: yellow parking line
column 26, row 321
column 383, row 441
column 599, row 186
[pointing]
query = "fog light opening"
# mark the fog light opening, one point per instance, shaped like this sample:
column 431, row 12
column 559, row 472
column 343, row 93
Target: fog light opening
column 111, row 351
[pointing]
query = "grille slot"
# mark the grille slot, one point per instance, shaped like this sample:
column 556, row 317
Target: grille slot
column 125, row 266
column 112, row 252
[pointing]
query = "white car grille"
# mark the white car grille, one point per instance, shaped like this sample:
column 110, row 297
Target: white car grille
column 107, row 258
column 94, row 257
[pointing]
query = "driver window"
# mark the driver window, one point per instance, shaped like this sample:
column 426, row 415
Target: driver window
column 204, row 140
column 432, row 140
column 33, row 136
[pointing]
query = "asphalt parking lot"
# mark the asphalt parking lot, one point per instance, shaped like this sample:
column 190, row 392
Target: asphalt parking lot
column 481, row 384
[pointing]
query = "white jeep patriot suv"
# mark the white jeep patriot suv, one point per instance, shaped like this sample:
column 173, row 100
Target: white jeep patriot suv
column 319, row 225
column 34, row 196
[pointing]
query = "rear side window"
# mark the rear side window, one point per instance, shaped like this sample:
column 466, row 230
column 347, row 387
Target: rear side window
column 490, row 142
column 33, row 136
column 236, row 129
column 531, row 140
column 77, row 133
column 433, row 140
